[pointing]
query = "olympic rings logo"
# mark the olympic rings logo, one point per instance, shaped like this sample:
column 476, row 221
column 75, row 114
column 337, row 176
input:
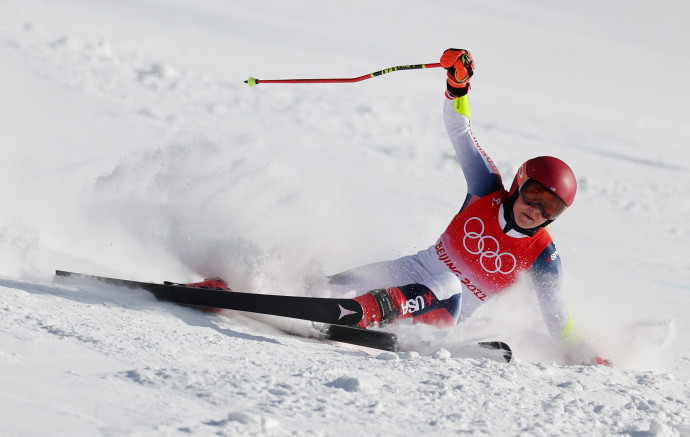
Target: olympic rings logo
column 491, row 258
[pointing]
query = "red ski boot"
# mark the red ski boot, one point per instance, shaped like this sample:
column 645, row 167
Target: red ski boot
column 214, row 283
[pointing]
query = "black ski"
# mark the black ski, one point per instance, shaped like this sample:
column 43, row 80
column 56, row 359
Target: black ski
column 386, row 341
column 317, row 309
column 334, row 312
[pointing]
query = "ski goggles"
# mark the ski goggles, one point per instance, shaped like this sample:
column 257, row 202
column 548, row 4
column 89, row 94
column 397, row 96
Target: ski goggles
column 538, row 196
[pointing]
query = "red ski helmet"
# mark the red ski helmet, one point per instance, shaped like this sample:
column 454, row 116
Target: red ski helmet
column 552, row 173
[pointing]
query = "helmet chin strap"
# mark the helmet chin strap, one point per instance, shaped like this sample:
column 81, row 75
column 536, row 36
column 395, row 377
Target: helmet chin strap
column 510, row 218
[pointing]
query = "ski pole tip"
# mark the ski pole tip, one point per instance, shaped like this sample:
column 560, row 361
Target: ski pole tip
column 252, row 81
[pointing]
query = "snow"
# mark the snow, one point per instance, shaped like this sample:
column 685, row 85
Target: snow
column 132, row 148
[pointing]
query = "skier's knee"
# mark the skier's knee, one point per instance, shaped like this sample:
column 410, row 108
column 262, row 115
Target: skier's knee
column 444, row 285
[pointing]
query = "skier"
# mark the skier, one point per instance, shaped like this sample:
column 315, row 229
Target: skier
column 496, row 236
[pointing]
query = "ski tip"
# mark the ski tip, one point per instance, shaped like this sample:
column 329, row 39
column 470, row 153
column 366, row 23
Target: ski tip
column 252, row 82
column 499, row 346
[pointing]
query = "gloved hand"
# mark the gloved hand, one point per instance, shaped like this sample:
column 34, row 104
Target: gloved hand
column 603, row 361
column 460, row 66
column 583, row 354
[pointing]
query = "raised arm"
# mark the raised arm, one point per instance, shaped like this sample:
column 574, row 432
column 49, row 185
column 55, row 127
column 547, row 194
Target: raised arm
column 480, row 171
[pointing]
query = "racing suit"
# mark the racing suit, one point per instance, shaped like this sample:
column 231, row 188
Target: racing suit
column 477, row 257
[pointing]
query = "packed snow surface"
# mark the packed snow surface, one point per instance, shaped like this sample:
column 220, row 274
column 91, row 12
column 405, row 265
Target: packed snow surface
column 132, row 148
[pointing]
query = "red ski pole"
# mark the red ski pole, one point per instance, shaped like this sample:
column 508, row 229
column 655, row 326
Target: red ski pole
column 252, row 81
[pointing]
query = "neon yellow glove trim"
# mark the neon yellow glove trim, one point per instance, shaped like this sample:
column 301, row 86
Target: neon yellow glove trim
column 569, row 334
column 462, row 106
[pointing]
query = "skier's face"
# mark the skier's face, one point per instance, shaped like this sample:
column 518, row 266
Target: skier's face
column 526, row 216
column 535, row 194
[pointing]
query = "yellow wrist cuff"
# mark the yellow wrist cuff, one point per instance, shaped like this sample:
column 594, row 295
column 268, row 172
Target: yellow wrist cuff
column 462, row 106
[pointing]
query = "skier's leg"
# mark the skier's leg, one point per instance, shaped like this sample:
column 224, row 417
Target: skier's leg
column 435, row 300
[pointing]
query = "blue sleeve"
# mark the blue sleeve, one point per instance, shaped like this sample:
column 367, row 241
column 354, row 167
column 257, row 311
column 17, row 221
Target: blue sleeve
column 546, row 273
column 480, row 172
